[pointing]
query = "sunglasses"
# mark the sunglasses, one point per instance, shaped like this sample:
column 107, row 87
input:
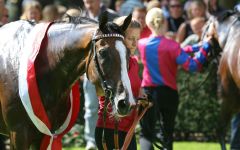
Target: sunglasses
column 175, row 6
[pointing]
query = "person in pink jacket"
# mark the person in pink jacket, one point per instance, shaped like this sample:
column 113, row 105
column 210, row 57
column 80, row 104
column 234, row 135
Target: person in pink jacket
column 161, row 57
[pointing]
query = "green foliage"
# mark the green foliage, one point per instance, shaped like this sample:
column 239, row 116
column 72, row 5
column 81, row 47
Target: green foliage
column 74, row 138
column 199, row 106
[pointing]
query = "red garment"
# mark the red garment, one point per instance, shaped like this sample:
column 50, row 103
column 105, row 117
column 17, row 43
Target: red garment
column 124, row 123
column 146, row 32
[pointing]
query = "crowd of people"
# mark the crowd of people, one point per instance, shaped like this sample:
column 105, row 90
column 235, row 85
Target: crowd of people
column 162, row 35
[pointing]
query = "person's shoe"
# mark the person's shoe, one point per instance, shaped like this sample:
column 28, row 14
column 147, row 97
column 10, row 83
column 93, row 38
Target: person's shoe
column 90, row 146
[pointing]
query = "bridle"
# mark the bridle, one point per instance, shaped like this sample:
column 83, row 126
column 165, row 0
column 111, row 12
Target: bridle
column 108, row 90
column 216, row 48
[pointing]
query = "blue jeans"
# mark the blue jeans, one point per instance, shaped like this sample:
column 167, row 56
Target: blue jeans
column 235, row 132
column 91, row 109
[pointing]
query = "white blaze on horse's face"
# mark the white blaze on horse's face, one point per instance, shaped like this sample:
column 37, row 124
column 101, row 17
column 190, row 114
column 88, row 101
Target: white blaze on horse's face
column 124, row 73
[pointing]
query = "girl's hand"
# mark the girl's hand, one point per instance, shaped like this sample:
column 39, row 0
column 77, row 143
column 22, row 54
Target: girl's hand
column 211, row 33
column 142, row 93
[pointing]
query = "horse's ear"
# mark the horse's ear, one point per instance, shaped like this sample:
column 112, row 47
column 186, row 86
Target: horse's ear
column 126, row 22
column 103, row 19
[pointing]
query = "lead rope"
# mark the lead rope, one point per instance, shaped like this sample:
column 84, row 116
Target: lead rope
column 116, row 141
column 104, row 144
column 108, row 97
column 141, row 103
column 146, row 105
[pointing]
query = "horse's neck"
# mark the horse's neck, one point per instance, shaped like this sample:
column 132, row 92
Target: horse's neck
column 68, row 47
column 230, row 62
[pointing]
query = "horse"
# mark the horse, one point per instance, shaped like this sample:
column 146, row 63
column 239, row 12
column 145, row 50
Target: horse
column 225, row 29
column 74, row 45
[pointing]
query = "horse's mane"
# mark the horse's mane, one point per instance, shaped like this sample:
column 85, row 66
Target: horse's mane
column 76, row 20
column 109, row 27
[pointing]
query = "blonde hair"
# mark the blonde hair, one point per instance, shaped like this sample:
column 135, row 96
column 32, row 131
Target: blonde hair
column 31, row 5
column 198, row 3
column 155, row 19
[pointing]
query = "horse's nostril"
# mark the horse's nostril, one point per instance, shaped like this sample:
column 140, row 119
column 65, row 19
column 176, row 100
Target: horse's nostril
column 123, row 107
column 123, row 104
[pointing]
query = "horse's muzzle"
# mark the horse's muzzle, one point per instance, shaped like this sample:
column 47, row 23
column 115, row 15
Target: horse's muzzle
column 123, row 101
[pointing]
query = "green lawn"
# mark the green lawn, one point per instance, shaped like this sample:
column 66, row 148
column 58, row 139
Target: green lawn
column 196, row 146
column 182, row 146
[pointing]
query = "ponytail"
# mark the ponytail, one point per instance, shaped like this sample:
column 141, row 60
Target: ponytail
column 155, row 19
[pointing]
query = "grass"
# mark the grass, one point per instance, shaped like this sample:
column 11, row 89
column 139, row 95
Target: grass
column 196, row 146
column 182, row 146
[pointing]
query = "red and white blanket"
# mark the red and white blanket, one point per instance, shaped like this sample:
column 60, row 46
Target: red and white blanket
column 31, row 99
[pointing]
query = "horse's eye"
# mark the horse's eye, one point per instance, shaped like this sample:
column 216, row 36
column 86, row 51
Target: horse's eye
column 103, row 43
column 103, row 53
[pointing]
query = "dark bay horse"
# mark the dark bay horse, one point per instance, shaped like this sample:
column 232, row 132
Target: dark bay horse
column 74, row 46
column 226, row 49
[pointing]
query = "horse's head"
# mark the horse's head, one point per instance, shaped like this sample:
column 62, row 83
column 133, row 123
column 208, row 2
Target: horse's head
column 108, row 58
column 218, row 27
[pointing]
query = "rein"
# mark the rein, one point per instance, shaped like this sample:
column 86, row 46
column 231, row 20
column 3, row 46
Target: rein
column 141, row 108
column 107, row 89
